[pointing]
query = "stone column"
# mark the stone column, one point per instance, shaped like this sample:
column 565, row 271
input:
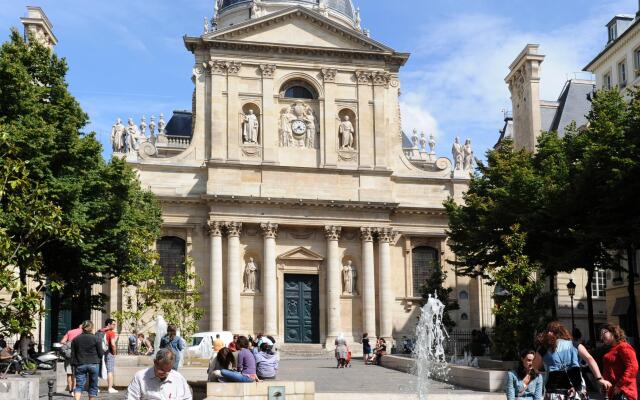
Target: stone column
column 380, row 85
column 334, row 283
column 329, row 134
column 217, row 109
column 385, row 235
column 368, row 283
column 234, row 108
column 234, row 276
column 215, row 277
column 269, row 279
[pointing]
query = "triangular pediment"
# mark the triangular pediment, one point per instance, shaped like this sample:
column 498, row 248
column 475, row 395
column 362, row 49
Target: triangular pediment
column 298, row 26
column 301, row 254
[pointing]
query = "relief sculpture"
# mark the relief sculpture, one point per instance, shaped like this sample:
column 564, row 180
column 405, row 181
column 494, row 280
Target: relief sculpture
column 298, row 126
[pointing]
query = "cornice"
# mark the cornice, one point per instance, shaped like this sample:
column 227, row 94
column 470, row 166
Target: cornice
column 442, row 212
column 276, row 167
column 339, row 204
column 278, row 50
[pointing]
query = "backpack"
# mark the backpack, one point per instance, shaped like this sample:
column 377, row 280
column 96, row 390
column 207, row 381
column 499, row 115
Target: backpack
column 66, row 350
column 102, row 336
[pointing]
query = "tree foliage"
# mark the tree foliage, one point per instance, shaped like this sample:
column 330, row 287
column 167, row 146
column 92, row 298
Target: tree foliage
column 75, row 219
column 180, row 306
column 575, row 199
column 521, row 306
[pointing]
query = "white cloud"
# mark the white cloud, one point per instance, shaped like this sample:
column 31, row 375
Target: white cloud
column 465, row 57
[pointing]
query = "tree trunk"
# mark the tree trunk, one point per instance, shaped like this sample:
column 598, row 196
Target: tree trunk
column 632, row 313
column 552, row 290
column 592, row 326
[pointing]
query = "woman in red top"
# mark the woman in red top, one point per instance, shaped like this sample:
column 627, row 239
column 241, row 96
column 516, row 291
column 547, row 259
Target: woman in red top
column 620, row 364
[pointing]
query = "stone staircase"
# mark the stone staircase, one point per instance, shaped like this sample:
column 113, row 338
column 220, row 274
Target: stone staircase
column 295, row 351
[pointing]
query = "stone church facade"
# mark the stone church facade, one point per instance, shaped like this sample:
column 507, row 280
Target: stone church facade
column 304, row 211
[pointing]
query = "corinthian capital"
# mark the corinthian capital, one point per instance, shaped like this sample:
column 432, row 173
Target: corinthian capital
column 269, row 230
column 233, row 228
column 332, row 232
column 214, row 228
column 329, row 74
column 363, row 77
column 385, row 235
column 233, row 67
column 217, row 67
column 268, row 70
column 366, row 234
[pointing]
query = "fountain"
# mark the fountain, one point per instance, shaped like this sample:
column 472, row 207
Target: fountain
column 429, row 355
column 161, row 330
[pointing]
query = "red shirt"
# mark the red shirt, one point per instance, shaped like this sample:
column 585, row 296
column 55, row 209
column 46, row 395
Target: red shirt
column 621, row 368
column 70, row 335
column 111, row 338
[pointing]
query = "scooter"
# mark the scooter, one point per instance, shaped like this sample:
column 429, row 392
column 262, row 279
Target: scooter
column 49, row 360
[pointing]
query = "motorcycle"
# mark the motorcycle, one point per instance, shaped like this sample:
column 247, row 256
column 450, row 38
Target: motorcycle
column 49, row 360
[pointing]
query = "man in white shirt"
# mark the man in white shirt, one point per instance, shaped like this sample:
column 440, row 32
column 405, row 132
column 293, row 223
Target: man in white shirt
column 159, row 382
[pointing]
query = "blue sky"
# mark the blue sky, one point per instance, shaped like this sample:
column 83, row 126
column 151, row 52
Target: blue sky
column 126, row 58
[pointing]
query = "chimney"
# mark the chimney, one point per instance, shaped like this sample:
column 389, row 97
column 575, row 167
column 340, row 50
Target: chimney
column 37, row 24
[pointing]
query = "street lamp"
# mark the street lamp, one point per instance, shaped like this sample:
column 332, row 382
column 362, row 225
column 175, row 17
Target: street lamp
column 571, row 288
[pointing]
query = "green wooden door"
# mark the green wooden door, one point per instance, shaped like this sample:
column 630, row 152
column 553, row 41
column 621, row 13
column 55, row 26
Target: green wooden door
column 301, row 309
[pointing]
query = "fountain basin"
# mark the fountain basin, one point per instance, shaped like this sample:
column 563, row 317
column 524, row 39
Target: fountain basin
column 482, row 379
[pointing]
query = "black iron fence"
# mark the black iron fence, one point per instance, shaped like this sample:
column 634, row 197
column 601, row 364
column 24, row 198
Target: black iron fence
column 460, row 340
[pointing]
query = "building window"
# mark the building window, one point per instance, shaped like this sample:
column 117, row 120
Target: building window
column 298, row 89
column 636, row 62
column 464, row 317
column 424, row 261
column 599, row 283
column 622, row 74
column 606, row 81
column 172, row 252
column 463, row 295
column 613, row 32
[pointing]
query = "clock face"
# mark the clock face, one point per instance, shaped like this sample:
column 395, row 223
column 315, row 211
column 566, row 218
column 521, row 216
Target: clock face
column 299, row 127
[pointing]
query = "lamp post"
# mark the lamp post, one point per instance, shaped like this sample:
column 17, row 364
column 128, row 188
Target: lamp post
column 571, row 288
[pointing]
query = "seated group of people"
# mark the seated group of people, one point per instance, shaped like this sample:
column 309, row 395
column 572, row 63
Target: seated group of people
column 243, row 360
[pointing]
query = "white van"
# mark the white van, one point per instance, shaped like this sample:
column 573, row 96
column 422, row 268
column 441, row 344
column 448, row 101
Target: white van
column 193, row 346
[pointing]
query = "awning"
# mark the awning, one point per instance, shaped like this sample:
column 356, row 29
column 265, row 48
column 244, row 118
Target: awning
column 621, row 306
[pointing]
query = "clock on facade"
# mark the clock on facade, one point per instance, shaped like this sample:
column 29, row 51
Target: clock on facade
column 299, row 127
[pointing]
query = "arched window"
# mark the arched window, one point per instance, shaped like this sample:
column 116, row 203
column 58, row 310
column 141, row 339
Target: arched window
column 464, row 317
column 298, row 89
column 172, row 252
column 424, row 261
column 463, row 295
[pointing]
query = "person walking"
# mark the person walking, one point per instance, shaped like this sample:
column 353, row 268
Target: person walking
column 161, row 381
column 524, row 382
column 342, row 350
column 86, row 355
column 245, row 366
column 109, row 332
column 366, row 348
column 173, row 342
column 66, row 341
column 620, row 364
column 561, row 360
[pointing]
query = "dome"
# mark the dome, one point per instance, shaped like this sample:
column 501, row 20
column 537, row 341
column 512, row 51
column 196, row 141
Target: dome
column 343, row 7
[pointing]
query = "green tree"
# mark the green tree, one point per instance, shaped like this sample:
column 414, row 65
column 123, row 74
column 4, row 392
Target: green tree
column 521, row 305
column 435, row 285
column 180, row 306
column 115, row 220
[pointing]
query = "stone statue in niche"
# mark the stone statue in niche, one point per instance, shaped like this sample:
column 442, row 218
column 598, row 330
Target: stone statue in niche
column 118, row 137
column 298, row 126
column 349, row 276
column 456, row 151
column 250, row 271
column 467, row 154
column 347, row 133
column 250, row 127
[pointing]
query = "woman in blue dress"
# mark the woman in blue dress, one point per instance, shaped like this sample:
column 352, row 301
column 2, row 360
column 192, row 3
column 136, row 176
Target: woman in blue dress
column 524, row 382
